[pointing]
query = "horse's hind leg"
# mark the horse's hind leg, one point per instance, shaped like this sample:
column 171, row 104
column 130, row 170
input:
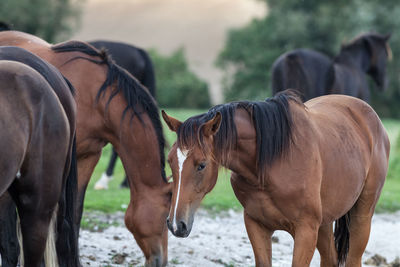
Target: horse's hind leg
column 106, row 177
column 361, row 216
column 326, row 246
column 35, row 205
column 9, row 247
column 34, row 228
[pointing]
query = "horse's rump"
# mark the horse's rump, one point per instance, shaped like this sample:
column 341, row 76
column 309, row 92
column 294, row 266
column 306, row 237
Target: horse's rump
column 64, row 91
column 351, row 141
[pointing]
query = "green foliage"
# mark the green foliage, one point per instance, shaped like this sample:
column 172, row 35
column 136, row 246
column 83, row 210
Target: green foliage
column 177, row 86
column 394, row 163
column 48, row 19
column 321, row 25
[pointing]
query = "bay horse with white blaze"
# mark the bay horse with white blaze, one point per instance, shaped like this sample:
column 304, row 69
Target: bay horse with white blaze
column 37, row 144
column 314, row 74
column 112, row 106
column 295, row 167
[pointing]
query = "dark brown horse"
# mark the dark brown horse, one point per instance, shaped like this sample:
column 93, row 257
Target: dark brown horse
column 37, row 144
column 113, row 107
column 295, row 167
column 314, row 74
column 138, row 63
column 67, row 243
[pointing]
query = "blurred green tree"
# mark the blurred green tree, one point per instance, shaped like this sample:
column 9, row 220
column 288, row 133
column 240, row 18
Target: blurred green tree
column 52, row 20
column 320, row 25
column 177, row 86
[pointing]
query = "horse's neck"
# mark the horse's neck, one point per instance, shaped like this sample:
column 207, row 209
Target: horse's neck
column 243, row 157
column 354, row 58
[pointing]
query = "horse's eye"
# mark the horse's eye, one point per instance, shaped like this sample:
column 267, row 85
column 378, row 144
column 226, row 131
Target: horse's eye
column 201, row 166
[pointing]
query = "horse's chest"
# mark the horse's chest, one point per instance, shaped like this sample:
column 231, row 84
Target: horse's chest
column 261, row 207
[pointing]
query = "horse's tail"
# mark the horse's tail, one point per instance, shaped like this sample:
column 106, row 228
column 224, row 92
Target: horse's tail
column 67, row 239
column 342, row 236
column 149, row 79
column 50, row 253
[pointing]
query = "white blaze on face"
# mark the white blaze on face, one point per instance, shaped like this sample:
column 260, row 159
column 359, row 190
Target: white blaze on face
column 181, row 155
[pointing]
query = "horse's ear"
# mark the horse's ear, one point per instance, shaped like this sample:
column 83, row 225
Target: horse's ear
column 172, row 123
column 212, row 126
column 386, row 37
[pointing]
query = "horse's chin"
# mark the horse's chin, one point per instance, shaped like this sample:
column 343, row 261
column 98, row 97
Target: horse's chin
column 156, row 261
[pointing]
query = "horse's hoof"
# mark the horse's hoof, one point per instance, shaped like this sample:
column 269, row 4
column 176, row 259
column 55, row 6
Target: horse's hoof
column 102, row 184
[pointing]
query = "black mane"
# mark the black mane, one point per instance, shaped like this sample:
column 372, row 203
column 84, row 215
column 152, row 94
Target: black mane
column 272, row 121
column 137, row 97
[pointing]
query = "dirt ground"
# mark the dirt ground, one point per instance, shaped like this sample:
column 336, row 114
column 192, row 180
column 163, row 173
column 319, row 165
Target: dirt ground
column 217, row 241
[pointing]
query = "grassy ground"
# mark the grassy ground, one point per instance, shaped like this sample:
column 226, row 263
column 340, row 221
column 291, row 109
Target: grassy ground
column 222, row 196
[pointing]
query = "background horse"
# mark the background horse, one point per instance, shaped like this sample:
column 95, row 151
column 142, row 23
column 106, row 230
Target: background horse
column 67, row 237
column 112, row 106
column 294, row 167
column 314, row 74
column 138, row 63
column 36, row 145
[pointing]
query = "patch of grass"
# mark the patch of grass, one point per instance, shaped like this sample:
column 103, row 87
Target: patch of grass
column 113, row 199
column 390, row 197
column 222, row 196
column 95, row 225
column 175, row 261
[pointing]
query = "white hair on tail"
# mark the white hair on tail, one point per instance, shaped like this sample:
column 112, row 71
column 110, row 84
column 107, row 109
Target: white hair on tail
column 50, row 253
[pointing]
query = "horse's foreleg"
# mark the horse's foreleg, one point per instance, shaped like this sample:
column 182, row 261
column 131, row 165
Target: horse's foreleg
column 326, row 246
column 305, row 241
column 85, row 169
column 260, row 238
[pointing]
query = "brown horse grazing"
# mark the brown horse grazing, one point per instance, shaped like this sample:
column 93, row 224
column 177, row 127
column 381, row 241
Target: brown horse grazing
column 295, row 167
column 35, row 141
column 113, row 107
column 314, row 74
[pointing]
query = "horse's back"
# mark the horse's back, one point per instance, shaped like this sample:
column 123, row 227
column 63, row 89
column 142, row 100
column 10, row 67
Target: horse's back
column 301, row 69
column 352, row 143
column 125, row 55
column 50, row 73
column 134, row 59
column 18, row 38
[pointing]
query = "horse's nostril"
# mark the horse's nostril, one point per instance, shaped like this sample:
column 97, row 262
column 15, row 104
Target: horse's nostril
column 168, row 221
column 183, row 227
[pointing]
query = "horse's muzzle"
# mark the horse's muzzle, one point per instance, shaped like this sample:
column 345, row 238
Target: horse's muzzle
column 181, row 230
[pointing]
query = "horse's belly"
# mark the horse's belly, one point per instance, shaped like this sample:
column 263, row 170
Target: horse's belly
column 260, row 207
column 340, row 190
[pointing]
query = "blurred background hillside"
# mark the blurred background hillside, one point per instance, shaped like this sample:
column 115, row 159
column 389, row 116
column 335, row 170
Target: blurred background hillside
column 216, row 49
